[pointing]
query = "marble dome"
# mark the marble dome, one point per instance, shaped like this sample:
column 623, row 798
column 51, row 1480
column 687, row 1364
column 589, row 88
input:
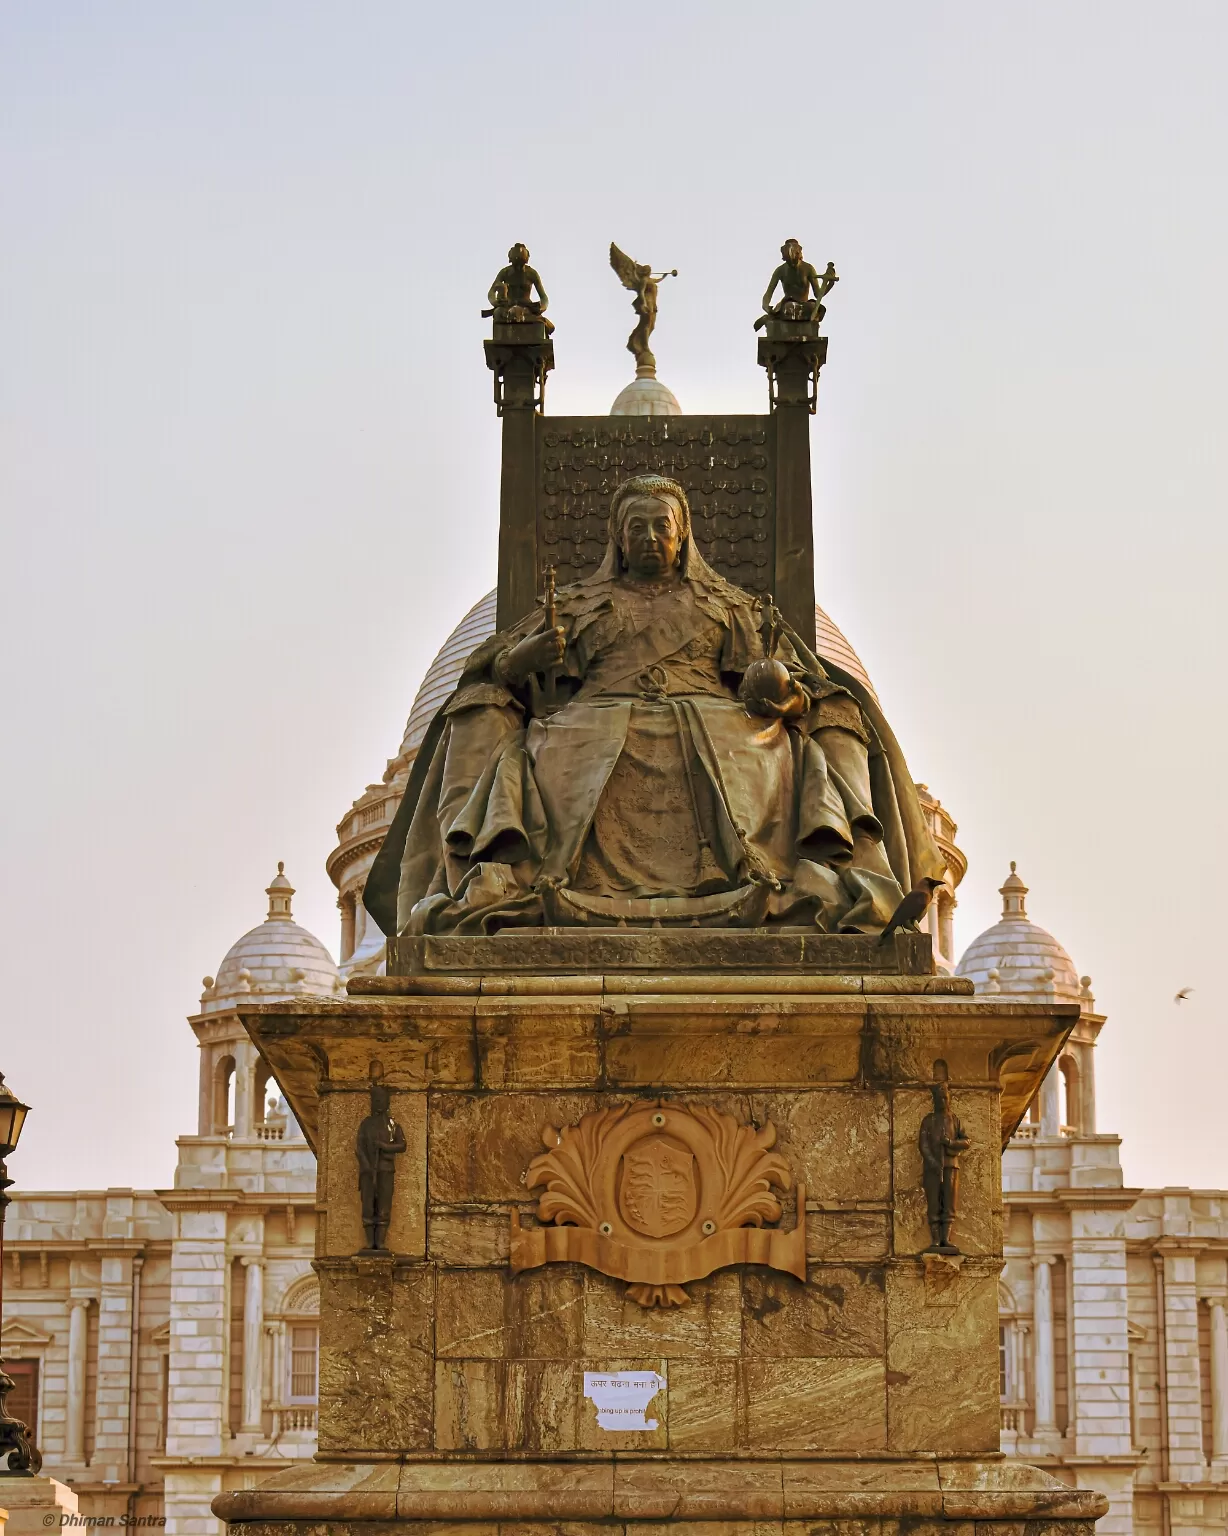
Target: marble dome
column 443, row 673
column 278, row 959
column 646, row 396
column 1017, row 958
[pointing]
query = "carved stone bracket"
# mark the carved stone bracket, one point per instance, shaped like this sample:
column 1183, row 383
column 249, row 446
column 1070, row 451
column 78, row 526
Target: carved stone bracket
column 520, row 357
column 658, row 1194
column 793, row 352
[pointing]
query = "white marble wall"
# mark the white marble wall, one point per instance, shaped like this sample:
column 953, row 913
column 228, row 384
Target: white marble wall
column 1135, row 1280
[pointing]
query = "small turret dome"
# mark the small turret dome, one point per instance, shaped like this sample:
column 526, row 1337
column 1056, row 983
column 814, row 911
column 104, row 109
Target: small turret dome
column 1017, row 958
column 279, row 959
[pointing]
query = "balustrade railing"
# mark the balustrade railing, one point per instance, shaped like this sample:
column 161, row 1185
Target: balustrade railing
column 289, row 1418
column 1013, row 1418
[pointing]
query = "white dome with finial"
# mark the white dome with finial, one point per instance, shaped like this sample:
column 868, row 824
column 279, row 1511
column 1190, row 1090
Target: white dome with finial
column 274, row 961
column 646, row 396
column 1017, row 958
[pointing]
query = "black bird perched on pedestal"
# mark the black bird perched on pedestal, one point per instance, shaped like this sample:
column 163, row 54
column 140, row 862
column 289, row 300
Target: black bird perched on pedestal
column 912, row 909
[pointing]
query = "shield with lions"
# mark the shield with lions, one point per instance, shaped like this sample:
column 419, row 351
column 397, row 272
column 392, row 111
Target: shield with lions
column 657, row 1194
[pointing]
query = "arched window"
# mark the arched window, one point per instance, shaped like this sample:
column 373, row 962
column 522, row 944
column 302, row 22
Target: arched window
column 1072, row 1117
column 224, row 1096
column 299, row 1350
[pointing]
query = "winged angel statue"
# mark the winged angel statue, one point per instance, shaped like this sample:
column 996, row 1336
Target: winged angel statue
column 642, row 281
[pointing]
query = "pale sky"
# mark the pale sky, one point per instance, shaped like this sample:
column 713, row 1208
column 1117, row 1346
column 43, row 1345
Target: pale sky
column 250, row 462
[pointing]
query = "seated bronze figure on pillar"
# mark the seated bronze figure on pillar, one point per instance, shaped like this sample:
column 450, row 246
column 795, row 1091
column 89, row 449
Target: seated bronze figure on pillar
column 657, row 749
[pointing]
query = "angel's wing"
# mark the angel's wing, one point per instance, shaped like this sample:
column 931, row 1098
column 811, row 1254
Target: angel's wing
column 625, row 268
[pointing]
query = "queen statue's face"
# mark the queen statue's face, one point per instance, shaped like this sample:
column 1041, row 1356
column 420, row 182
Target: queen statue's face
column 651, row 537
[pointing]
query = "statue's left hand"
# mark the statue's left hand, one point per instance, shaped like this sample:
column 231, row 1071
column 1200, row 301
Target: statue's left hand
column 770, row 689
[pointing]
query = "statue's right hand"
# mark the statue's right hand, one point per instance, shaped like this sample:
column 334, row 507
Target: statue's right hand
column 537, row 653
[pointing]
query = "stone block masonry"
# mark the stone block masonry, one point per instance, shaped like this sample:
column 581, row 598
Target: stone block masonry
column 452, row 1388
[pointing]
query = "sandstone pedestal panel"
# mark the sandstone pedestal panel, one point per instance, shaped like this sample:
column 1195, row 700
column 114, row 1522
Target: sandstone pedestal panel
column 452, row 1389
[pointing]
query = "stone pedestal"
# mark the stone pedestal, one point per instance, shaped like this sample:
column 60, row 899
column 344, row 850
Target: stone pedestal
column 457, row 1384
column 35, row 1504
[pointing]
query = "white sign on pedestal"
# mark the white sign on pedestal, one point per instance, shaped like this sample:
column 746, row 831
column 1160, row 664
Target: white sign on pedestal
column 620, row 1397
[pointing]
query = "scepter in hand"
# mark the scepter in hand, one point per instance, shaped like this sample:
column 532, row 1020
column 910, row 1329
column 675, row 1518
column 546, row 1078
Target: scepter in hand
column 549, row 677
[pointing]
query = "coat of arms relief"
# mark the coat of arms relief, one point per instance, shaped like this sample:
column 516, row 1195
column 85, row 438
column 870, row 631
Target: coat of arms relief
column 658, row 1194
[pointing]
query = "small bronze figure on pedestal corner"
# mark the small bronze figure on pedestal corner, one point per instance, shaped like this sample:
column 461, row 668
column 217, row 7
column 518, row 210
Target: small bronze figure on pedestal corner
column 380, row 1139
column 941, row 1140
column 511, row 294
column 643, row 282
column 798, row 280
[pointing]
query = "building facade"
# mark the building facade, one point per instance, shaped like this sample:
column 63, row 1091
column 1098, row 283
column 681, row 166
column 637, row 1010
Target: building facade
column 164, row 1342
column 1113, row 1332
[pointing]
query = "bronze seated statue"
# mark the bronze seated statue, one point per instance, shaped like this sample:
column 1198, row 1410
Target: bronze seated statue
column 511, row 294
column 637, row 757
column 802, row 289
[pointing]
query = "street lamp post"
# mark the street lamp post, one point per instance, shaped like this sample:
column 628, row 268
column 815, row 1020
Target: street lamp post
column 18, row 1454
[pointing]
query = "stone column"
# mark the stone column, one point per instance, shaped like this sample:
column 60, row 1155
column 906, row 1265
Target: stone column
column 245, row 1065
column 1099, row 1415
column 1043, row 1374
column 278, row 1391
column 253, row 1346
column 196, row 1412
column 1185, row 1454
column 1050, row 1118
column 204, row 1095
column 946, row 926
column 1088, row 1075
column 78, row 1344
column 113, row 1383
column 347, row 905
column 520, row 380
column 1019, row 1343
column 1219, row 1387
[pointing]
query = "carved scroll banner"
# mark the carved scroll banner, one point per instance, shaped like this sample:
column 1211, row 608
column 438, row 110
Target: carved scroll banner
column 658, row 1194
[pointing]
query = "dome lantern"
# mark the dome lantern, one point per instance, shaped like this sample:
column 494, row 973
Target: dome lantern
column 279, row 894
column 1012, row 892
